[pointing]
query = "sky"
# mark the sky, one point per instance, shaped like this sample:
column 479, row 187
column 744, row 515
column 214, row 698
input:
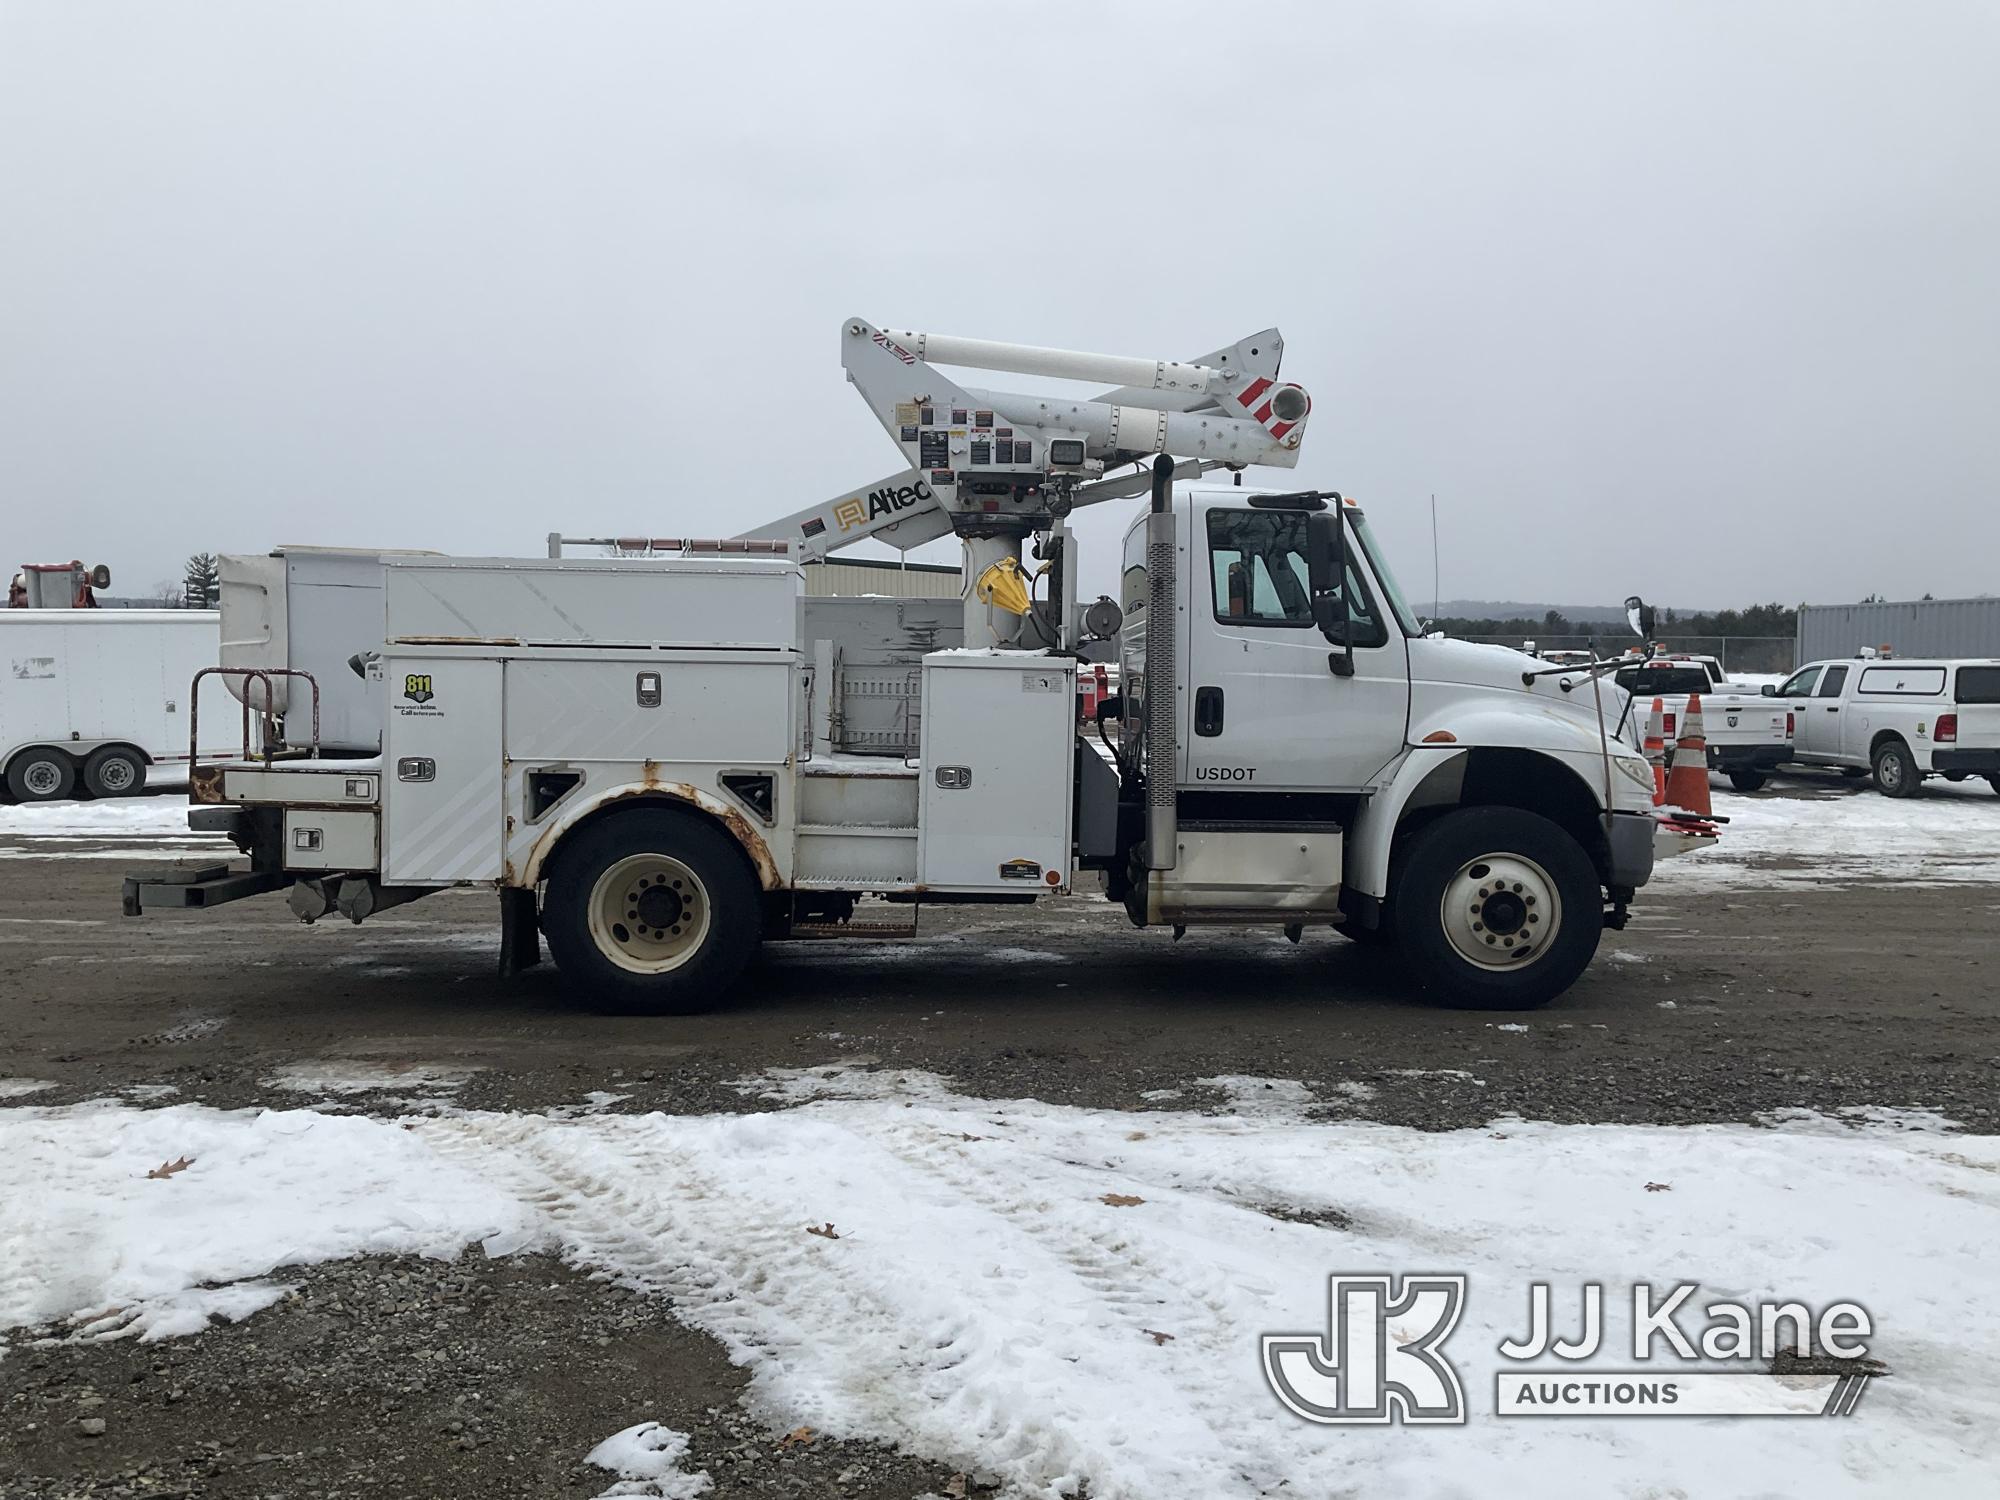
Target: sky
column 1700, row 301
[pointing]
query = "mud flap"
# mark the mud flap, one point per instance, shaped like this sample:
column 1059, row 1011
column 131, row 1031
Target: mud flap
column 520, row 936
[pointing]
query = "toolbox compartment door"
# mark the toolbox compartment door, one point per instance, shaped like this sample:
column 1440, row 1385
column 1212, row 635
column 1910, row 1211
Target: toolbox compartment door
column 441, row 765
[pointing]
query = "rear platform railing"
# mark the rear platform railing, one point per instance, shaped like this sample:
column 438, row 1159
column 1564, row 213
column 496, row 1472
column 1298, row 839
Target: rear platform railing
column 273, row 743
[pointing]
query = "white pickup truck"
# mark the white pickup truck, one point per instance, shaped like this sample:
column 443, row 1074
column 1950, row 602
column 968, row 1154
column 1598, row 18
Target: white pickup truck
column 1748, row 736
column 1901, row 721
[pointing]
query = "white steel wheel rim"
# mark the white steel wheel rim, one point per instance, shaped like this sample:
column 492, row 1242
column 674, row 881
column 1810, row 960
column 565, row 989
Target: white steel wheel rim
column 649, row 913
column 1890, row 769
column 42, row 777
column 115, row 774
column 1501, row 911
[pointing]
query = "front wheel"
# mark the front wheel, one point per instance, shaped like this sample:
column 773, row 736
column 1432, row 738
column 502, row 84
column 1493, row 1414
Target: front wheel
column 1896, row 773
column 652, row 912
column 1747, row 781
column 1496, row 908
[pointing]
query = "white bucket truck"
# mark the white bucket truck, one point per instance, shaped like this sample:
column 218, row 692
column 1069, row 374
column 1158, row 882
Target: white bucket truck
column 653, row 761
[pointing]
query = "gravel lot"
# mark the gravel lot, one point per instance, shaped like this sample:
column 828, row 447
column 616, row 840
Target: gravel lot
column 484, row 1378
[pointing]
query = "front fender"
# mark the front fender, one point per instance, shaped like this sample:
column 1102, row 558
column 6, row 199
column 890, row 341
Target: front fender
column 1433, row 776
column 755, row 848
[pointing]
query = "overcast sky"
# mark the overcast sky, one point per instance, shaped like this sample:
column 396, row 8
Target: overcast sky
column 1698, row 300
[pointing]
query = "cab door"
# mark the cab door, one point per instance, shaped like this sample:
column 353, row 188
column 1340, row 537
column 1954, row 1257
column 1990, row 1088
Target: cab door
column 1797, row 691
column 1264, row 709
column 1818, row 726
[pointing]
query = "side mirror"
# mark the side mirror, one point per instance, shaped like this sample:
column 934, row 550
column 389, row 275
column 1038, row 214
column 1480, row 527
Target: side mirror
column 1326, row 574
column 1770, row 690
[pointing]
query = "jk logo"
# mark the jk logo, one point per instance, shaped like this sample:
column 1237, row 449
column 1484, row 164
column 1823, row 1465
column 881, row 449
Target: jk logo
column 1378, row 1361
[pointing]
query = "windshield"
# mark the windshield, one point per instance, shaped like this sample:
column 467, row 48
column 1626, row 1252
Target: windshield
column 1390, row 590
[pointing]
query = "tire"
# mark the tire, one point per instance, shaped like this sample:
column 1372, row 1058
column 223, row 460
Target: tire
column 1748, row 781
column 1956, row 775
column 41, row 773
column 1448, row 869
column 1994, row 781
column 1896, row 773
column 114, row 771
column 694, row 918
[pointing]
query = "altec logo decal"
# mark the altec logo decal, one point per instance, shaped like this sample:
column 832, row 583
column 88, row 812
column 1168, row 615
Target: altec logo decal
column 1381, row 1358
column 887, row 501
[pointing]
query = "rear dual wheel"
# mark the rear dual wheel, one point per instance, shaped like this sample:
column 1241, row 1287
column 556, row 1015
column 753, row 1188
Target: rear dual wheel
column 652, row 911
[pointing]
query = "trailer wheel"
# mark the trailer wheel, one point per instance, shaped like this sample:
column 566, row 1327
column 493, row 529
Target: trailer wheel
column 1747, row 781
column 1496, row 908
column 114, row 771
column 41, row 773
column 651, row 912
column 1896, row 773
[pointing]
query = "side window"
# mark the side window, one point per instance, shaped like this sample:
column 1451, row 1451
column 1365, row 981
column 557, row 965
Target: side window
column 1257, row 561
column 1800, row 683
column 1836, row 679
column 1258, row 573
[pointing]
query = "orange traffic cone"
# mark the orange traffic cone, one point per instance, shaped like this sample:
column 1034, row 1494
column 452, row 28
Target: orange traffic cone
column 1687, row 781
column 1656, row 751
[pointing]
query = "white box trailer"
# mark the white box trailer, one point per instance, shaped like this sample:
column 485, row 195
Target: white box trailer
column 90, row 699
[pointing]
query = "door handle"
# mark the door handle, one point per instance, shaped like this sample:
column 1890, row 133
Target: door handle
column 1208, row 711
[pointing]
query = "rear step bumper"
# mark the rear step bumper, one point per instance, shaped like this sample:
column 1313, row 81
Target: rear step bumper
column 1978, row 762
column 197, row 885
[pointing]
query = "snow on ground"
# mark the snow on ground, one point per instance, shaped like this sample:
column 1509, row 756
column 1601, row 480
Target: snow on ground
column 647, row 1460
column 1948, row 835
column 114, row 818
column 1066, row 1296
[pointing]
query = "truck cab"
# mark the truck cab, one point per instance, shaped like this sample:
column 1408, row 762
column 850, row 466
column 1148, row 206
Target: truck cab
column 1333, row 762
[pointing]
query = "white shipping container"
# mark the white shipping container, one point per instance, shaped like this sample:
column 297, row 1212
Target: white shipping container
column 91, row 698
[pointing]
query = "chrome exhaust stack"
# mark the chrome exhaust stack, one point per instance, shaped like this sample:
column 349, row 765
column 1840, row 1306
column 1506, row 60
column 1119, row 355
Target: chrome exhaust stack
column 1162, row 700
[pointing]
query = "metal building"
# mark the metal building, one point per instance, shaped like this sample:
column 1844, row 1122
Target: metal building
column 848, row 577
column 1919, row 627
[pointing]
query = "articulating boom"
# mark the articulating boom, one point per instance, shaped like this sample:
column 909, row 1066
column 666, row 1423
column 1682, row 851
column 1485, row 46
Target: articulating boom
column 996, row 465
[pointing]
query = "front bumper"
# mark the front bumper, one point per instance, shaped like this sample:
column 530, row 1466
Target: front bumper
column 1977, row 762
column 1630, row 841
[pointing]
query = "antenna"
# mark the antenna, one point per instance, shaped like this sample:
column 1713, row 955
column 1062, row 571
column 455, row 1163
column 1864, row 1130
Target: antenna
column 1436, row 596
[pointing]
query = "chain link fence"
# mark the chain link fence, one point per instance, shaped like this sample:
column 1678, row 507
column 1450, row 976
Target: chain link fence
column 1754, row 654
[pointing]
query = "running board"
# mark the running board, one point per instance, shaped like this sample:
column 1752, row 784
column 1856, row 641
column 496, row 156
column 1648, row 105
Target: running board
column 197, row 885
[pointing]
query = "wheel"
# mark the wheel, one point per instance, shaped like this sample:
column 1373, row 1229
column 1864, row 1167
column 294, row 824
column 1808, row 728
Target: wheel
column 114, row 771
column 41, row 774
column 1896, row 773
column 1746, row 780
column 1496, row 908
column 652, row 912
